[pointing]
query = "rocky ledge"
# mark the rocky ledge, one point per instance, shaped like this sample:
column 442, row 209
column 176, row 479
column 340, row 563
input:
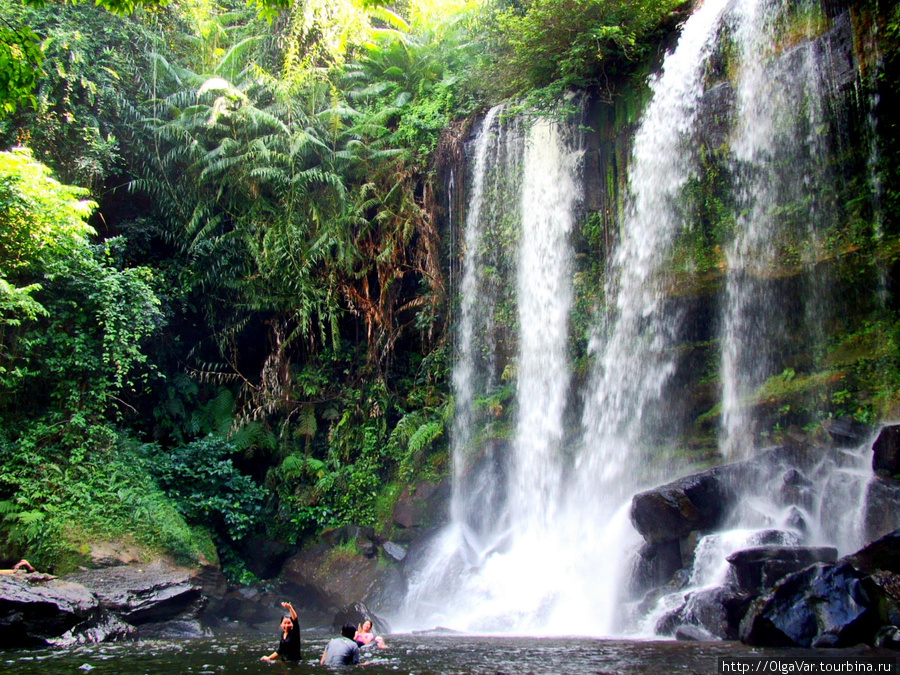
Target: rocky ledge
column 780, row 591
column 99, row 605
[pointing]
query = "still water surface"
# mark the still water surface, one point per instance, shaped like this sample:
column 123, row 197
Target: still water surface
column 415, row 654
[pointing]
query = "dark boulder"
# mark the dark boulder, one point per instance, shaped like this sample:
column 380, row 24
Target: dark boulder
column 174, row 630
column 689, row 633
column 716, row 611
column 323, row 579
column 147, row 594
column 883, row 588
column 773, row 537
column 888, row 637
column 822, row 605
column 213, row 586
column 327, row 579
column 881, row 554
column 697, row 502
column 34, row 609
column 886, row 451
column 248, row 606
column 703, row 501
column 101, row 627
column 758, row 568
column 655, row 564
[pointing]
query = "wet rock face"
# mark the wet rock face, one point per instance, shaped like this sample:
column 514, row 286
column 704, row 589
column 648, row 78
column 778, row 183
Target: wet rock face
column 779, row 592
column 672, row 511
column 761, row 567
column 715, row 611
column 145, row 594
column 35, row 613
column 655, row 565
column 328, row 580
column 96, row 605
column 820, row 606
column 886, row 452
column 881, row 515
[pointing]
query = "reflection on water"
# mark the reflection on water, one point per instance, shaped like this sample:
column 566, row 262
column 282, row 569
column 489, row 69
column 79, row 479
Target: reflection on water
column 417, row 654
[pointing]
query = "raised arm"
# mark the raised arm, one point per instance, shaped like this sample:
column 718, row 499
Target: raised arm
column 288, row 607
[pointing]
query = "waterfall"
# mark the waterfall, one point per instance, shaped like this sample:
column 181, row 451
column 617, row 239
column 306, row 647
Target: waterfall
column 633, row 343
column 475, row 358
column 783, row 187
column 777, row 299
column 545, row 463
column 505, row 492
column 549, row 193
column 549, row 561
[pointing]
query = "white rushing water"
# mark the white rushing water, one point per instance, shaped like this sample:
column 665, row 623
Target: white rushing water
column 540, row 540
column 549, row 195
column 558, row 550
column 474, row 312
column 497, row 508
column 780, row 162
column 633, row 344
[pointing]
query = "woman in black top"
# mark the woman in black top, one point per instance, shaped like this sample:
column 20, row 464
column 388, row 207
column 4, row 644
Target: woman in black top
column 289, row 647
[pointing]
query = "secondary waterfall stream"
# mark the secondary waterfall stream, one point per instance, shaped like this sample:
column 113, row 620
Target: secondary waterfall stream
column 540, row 540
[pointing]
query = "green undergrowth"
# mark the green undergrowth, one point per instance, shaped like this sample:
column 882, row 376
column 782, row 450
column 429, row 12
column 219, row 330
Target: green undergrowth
column 53, row 508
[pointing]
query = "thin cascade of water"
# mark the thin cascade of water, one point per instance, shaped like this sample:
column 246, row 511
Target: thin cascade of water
column 783, row 186
column 874, row 160
column 633, row 343
column 503, row 503
column 549, row 194
column 478, row 472
column 474, row 315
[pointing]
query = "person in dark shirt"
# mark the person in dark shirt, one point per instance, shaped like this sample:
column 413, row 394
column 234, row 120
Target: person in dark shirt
column 289, row 647
column 341, row 651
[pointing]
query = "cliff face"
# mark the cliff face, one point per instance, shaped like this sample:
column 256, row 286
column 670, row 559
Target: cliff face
column 785, row 246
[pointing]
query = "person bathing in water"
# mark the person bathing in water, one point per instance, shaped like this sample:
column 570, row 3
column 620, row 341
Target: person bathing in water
column 343, row 650
column 289, row 647
column 366, row 638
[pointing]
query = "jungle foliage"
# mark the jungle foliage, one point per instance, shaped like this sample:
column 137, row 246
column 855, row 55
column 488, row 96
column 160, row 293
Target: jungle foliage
column 223, row 288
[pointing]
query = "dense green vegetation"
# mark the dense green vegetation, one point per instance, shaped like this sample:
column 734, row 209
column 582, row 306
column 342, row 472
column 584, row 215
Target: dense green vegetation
column 223, row 288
